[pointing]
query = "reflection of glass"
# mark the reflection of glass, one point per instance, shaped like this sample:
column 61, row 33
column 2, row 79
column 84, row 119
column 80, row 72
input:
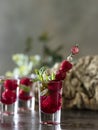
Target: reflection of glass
column 49, row 127
column 26, row 98
column 8, row 95
column 50, row 100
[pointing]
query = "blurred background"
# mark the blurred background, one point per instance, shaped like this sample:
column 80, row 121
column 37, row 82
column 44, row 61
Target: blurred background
column 62, row 22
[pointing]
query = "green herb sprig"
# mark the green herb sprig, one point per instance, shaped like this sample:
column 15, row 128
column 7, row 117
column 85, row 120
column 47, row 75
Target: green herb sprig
column 43, row 75
column 24, row 88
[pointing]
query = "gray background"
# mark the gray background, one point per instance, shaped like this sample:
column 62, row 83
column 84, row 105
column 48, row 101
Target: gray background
column 67, row 21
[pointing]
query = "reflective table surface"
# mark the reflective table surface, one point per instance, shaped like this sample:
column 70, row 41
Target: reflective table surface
column 70, row 120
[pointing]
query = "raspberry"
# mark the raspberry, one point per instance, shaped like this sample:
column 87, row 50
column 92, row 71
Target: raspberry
column 51, row 103
column 8, row 97
column 75, row 50
column 60, row 75
column 54, row 85
column 24, row 95
column 10, row 84
column 65, row 66
column 26, row 81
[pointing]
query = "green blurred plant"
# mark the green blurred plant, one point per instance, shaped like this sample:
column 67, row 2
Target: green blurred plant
column 25, row 63
column 28, row 45
column 50, row 56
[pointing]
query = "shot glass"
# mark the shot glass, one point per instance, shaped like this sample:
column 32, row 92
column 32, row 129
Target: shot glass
column 8, row 96
column 50, row 102
column 26, row 96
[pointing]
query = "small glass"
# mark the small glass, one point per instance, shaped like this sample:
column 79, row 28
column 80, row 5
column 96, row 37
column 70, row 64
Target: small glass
column 8, row 95
column 26, row 96
column 50, row 102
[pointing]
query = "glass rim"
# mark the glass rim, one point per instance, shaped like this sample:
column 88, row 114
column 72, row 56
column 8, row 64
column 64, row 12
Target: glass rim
column 53, row 81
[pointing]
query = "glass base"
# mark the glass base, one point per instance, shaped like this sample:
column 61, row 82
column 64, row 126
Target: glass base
column 50, row 127
column 25, row 106
column 8, row 109
column 50, row 119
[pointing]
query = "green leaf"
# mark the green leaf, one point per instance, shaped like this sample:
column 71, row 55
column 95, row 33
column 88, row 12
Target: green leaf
column 43, row 75
column 24, row 88
column 52, row 76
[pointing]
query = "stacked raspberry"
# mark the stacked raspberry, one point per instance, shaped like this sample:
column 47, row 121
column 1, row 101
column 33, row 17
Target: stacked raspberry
column 9, row 94
column 51, row 102
column 24, row 92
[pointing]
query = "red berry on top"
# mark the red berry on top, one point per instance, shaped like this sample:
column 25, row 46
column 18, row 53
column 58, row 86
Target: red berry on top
column 54, row 85
column 65, row 66
column 74, row 50
column 60, row 75
column 10, row 84
column 26, row 81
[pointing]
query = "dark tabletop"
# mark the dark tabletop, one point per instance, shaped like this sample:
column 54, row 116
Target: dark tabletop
column 70, row 120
